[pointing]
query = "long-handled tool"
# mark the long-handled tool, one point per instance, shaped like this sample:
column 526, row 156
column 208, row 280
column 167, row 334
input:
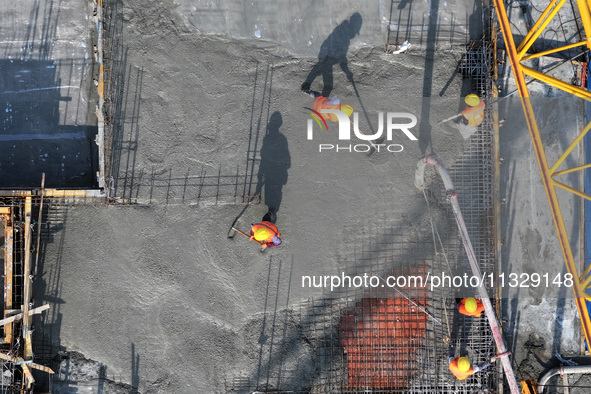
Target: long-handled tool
column 450, row 118
column 249, row 203
column 248, row 236
column 364, row 112
column 370, row 141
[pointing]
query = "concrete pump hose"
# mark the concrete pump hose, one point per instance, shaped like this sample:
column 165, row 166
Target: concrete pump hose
column 577, row 369
column 420, row 174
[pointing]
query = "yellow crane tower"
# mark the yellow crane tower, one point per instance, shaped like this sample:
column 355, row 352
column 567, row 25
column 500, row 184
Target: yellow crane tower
column 518, row 55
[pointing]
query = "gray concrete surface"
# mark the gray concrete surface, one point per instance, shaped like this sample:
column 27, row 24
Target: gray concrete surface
column 164, row 279
column 48, row 115
column 299, row 28
column 156, row 294
column 530, row 247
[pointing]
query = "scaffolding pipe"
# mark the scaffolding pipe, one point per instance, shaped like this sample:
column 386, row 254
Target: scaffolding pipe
column 562, row 370
column 452, row 195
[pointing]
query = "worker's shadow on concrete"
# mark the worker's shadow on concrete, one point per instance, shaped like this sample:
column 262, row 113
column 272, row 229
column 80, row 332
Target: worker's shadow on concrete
column 261, row 104
column 274, row 164
column 333, row 51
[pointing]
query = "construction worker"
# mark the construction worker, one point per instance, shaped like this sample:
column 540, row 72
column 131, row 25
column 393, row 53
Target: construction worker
column 266, row 233
column 322, row 102
column 474, row 112
column 471, row 307
column 461, row 367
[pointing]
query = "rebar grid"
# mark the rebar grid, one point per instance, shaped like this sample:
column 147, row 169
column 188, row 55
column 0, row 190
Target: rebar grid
column 219, row 186
column 65, row 201
column 379, row 339
column 416, row 361
column 421, row 365
column 18, row 256
column 390, row 250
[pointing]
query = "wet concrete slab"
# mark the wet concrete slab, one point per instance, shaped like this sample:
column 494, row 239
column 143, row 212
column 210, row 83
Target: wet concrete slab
column 536, row 281
column 162, row 279
column 301, row 29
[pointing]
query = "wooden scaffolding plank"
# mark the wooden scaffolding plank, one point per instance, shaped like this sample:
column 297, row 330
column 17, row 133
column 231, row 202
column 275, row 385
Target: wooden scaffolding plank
column 8, row 267
column 28, row 346
column 18, row 316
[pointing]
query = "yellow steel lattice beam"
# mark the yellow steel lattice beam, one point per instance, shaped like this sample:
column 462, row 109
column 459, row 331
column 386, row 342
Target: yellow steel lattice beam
column 554, row 50
column 557, row 83
column 569, row 170
column 516, row 55
column 570, row 148
column 586, row 19
column 538, row 28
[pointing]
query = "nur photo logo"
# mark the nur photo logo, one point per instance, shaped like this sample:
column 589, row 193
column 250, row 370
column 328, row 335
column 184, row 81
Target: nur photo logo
column 396, row 124
column 316, row 116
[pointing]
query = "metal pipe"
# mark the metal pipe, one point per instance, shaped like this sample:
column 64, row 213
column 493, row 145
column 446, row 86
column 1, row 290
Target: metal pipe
column 562, row 370
column 433, row 160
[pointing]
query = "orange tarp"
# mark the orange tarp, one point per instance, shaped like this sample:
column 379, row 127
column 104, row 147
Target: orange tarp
column 380, row 337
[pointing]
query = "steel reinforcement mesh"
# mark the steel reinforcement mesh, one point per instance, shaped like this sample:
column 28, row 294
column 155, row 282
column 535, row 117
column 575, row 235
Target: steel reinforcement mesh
column 395, row 340
column 380, row 340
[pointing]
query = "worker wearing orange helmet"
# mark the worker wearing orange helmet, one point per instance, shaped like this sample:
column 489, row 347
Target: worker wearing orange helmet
column 474, row 112
column 265, row 233
column 471, row 307
column 461, row 367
